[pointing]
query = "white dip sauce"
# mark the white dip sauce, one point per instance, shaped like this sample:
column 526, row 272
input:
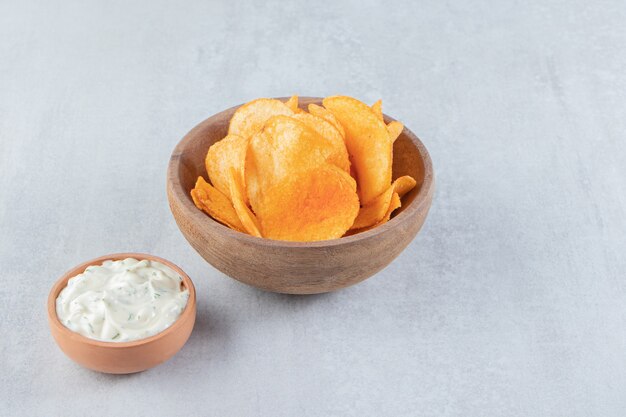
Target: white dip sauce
column 120, row 301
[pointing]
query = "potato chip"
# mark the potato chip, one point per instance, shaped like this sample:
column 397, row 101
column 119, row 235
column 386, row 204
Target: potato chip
column 375, row 211
column 251, row 177
column 315, row 204
column 250, row 118
column 395, row 129
column 353, row 173
column 247, row 218
column 368, row 143
column 395, row 204
column 286, row 146
column 215, row 204
column 329, row 132
column 228, row 153
column 319, row 111
column 292, row 103
column 403, row 185
column 377, row 108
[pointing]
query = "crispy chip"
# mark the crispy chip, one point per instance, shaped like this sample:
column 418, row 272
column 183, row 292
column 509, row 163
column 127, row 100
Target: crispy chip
column 395, row 204
column 284, row 147
column 293, row 185
column 316, row 204
column 292, row 103
column 368, row 143
column 329, row 132
column 377, row 108
column 215, row 204
column 247, row 218
column 228, row 153
column 251, row 177
column 395, row 129
column 250, row 118
column 403, row 185
column 376, row 210
column 319, row 111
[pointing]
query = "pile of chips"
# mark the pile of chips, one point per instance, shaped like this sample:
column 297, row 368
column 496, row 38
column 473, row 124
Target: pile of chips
column 287, row 174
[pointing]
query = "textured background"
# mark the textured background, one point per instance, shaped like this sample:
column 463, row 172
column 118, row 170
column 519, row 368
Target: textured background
column 510, row 302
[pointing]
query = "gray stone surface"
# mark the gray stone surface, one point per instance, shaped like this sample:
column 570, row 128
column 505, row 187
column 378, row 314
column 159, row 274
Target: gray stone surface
column 510, row 302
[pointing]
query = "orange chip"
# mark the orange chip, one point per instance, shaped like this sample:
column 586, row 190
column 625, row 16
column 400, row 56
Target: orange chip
column 251, row 178
column 329, row 132
column 403, row 185
column 368, row 143
column 319, row 111
column 286, row 146
column 376, row 210
column 250, row 118
column 316, row 204
column 395, row 204
column 395, row 129
column 292, row 103
column 377, row 108
column 215, row 204
column 228, row 153
column 247, row 218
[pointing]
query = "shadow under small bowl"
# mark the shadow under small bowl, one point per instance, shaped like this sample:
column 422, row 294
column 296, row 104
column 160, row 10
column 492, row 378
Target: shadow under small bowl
column 122, row 357
column 295, row 267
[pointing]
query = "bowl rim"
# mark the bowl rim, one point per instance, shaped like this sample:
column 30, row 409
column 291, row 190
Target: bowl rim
column 174, row 185
column 61, row 283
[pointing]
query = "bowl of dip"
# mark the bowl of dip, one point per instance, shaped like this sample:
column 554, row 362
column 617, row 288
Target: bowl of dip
column 122, row 313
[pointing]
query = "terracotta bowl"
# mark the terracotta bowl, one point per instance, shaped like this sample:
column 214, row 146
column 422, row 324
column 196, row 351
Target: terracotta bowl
column 123, row 357
column 295, row 267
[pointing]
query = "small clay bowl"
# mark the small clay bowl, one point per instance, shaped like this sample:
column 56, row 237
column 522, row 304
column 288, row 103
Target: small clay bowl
column 296, row 267
column 123, row 357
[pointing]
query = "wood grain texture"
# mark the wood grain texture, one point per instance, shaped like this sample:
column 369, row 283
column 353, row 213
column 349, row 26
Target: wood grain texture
column 122, row 357
column 296, row 267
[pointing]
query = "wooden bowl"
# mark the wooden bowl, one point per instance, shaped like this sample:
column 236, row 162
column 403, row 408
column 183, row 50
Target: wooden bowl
column 123, row 357
column 295, row 267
